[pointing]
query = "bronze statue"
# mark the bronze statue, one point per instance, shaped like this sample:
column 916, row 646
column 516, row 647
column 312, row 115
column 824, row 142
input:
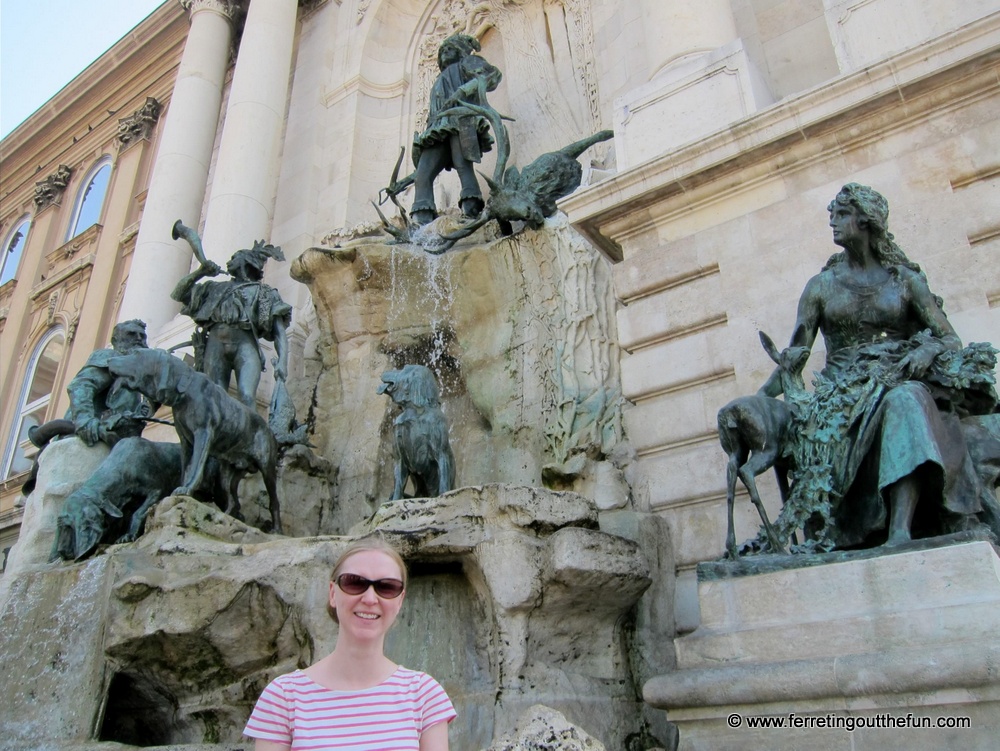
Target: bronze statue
column 454, row 140
column 420, row 433
column 880, row 453
column 528, row 195
column 234, row 315
column 118, row 495
column 755, row 432
column 101, row 408
column 209, row 423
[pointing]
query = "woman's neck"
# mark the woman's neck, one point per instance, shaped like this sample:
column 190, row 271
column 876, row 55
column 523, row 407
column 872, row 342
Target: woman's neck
column 862, row 262
column 352, row 667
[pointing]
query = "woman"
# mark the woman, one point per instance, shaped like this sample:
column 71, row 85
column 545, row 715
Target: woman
column 356, row 698
column 881, row 435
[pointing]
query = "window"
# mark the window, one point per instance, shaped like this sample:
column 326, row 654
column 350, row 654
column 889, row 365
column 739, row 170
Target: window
column 13, row 247
column 35, row 396
column 90, row 201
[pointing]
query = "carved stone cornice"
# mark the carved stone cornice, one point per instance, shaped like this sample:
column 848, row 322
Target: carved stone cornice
column 50, row 190
column 139, row 124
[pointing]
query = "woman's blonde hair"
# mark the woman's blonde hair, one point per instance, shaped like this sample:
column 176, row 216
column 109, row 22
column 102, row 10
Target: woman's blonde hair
column 376, row 543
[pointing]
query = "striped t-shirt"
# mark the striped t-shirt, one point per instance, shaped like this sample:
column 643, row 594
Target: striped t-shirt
column 296, row 710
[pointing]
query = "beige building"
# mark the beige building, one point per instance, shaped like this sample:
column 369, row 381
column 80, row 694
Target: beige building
column 75, row 176
column 735, row 121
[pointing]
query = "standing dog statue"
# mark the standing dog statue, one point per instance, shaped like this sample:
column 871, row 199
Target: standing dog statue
column 420, row 433
column 209, row 422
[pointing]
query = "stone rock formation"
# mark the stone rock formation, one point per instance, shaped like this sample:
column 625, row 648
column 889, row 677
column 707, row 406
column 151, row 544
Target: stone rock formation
column 520, row 333
column 541, row 728
column 169, row 640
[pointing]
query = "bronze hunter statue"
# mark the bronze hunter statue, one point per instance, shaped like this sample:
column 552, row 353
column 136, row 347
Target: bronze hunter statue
column 454, row 140
column 234, row 315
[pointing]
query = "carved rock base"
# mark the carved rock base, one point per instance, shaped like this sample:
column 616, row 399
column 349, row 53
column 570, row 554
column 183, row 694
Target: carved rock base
column 516, row 598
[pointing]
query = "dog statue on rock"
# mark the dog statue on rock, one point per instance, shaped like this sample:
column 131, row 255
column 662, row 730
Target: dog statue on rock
column 420, row 433
column 209, row 423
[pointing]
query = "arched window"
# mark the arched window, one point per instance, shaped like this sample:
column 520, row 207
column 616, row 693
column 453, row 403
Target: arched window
column 36, row 393
column 90, row 200
column 13, row 247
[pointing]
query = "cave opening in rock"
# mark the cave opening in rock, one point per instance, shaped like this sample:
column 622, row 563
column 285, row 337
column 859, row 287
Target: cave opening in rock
column 138, row 712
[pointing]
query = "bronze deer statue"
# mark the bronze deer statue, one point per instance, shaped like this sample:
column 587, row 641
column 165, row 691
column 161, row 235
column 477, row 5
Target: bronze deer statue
column 753, row 431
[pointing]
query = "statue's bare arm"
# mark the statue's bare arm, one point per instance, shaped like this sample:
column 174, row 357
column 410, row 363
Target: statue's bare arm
column 804, row 335
column 281, row 348
column 929, row 315
column 182, row 292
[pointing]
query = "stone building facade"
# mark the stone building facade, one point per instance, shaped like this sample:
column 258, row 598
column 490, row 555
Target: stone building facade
column 75, row 176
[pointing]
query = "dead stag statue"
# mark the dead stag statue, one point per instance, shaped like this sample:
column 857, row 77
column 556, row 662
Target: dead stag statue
column 528, row 195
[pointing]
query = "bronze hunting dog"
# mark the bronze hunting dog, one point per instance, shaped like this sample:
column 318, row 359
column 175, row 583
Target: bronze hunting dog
column 209, row 422
column 420, row 432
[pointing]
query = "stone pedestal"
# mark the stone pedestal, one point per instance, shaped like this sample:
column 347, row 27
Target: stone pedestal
column 64, row 466
column 895, row 641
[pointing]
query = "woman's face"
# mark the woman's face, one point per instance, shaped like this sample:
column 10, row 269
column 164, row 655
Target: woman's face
column 848, row 225
column 367, row 615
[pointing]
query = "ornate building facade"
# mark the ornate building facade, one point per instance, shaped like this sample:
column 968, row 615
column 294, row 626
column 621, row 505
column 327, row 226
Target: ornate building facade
column 735, row 123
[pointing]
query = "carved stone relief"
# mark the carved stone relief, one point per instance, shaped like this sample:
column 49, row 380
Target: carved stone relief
column 50, row 190
column 140, row 123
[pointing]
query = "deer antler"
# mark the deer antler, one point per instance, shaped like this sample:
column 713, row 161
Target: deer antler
column 467, row 229
column 401, row 235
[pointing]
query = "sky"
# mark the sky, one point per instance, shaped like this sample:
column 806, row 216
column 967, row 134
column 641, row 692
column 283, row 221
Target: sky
column 45, row 44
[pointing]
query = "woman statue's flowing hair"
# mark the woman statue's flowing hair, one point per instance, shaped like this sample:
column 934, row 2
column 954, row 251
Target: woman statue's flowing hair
column 874, row 208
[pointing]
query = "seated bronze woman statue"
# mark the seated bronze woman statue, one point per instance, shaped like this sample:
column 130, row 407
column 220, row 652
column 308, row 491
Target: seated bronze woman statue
column 880, row 448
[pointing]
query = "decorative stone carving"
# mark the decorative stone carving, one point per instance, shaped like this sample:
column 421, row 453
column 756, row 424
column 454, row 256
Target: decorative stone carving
column 140, row 123
column 228, row 8
column 544, row 729
column 50, row 190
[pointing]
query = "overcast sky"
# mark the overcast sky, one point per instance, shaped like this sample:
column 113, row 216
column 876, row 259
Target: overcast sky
column 45, row 44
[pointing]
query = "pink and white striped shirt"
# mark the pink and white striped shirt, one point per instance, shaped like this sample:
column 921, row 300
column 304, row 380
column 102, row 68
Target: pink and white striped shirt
column 296, row 710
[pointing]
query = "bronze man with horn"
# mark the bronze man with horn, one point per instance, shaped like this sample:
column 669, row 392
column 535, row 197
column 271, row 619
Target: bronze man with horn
column 233, row 315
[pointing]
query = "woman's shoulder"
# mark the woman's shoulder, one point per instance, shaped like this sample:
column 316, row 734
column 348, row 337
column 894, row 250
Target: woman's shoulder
column 819, row 284
column 296, row 680
column 413, row 679
column 406, row 675
column 908, row 275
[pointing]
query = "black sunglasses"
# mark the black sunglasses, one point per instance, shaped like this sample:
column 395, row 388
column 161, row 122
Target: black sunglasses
column 352, row 584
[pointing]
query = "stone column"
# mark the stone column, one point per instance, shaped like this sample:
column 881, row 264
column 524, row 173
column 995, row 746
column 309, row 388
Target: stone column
column 177, row 186
column 701, row 80
column 678, row 30
column 244, row 185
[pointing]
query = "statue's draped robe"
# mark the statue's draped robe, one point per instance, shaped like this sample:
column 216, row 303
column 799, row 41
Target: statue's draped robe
column 873, row 428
